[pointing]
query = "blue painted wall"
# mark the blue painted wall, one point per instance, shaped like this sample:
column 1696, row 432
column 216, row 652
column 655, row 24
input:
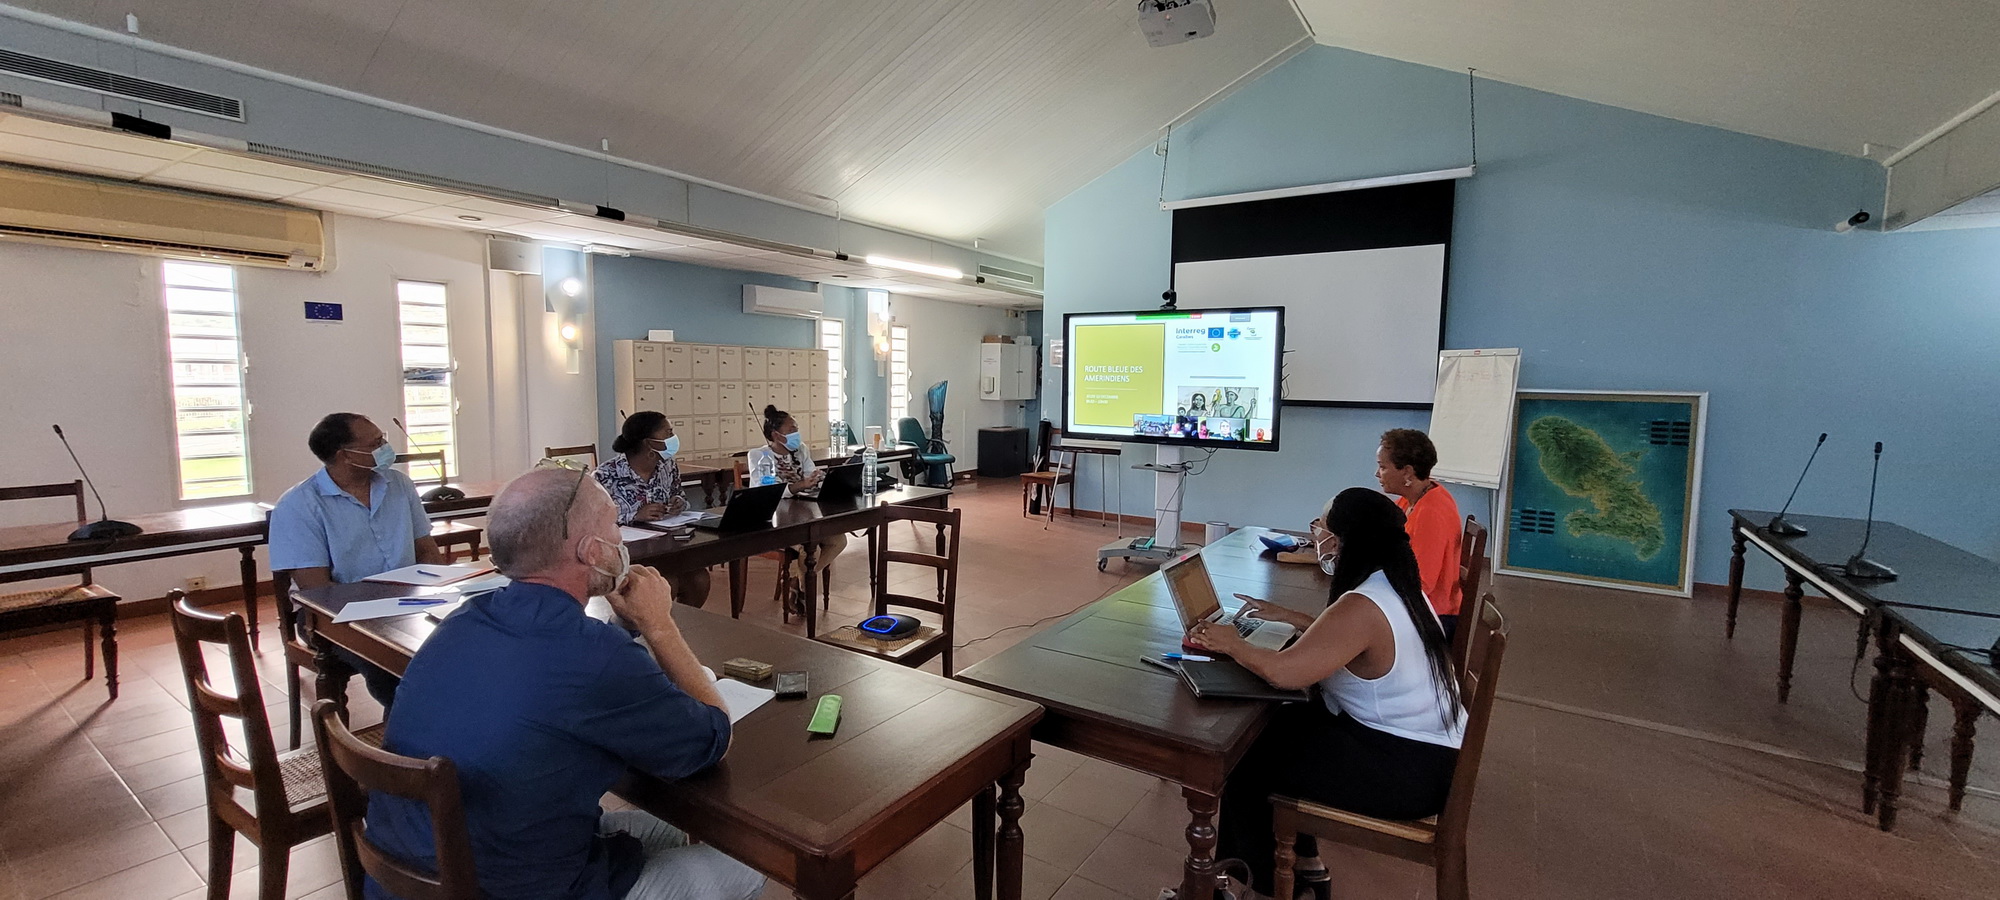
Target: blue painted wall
column 702, row 305
column 1618, row 251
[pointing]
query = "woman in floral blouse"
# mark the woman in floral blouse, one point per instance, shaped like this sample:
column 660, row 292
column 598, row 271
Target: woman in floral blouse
column 646, row 484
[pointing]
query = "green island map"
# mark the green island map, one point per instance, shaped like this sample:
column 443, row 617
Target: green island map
column 1580, row 462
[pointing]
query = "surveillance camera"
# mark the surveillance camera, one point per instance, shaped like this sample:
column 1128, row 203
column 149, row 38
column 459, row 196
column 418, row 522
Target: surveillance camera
column 1859, row 218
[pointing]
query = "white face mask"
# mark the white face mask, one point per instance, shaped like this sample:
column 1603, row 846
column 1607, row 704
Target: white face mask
column 624, row 567
column 1327, row 560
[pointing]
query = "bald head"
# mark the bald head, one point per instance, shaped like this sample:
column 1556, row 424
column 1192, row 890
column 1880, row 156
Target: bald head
column 525, row 525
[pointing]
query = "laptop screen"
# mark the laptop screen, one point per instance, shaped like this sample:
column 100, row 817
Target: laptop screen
column 1193, row 592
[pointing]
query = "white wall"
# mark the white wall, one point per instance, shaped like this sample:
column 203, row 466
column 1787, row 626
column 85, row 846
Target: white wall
column 944, row 346
column 85, row 346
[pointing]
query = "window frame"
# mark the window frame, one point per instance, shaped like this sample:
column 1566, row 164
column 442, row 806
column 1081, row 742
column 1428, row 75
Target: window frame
column 449, row 371
column 834, row 343
column 176, row 281
column 899, row 381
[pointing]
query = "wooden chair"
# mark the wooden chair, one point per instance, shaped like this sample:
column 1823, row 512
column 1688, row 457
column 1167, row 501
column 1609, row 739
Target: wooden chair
column 287, row 790
column 299, row 654
column 928, row 641
column 1471, row 578
column 1056, row 467
column 353, row 767
column 787, row 580
column 587, row 451
column 91, row 604
column 449, row 534
column 1438, row 841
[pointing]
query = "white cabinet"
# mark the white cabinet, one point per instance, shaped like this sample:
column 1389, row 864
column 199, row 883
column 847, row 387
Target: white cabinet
column 715, row 394
column 1007, row 372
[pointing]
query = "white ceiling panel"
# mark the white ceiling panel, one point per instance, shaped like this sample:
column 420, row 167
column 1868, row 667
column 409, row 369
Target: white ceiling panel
column 1832, row 74
column 37, row 151
column 227, row 181
column 959, row 119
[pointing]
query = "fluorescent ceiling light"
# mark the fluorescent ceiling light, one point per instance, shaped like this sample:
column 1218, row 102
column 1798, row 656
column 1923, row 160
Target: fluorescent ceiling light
column 919, row 268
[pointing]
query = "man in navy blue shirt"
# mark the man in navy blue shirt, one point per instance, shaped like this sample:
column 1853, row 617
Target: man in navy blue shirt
column 543, row 709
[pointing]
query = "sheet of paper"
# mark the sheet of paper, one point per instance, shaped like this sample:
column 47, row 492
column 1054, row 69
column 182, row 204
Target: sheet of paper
column 628, row 534
column 360, row 610
column 491, row 582
column 439, row 611
column 742, row 699
column 678, row 519
column 429, row 575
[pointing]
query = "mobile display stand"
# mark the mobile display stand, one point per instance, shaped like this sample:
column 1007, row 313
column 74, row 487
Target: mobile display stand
column 1169, row 484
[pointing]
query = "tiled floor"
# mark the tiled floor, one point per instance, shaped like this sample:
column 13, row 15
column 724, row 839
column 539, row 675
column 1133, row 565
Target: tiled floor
column 1635, row 754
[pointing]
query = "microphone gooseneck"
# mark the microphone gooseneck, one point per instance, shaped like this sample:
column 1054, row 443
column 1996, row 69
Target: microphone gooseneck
column 1859, row 565
column 1779, row 525
column 105, row 526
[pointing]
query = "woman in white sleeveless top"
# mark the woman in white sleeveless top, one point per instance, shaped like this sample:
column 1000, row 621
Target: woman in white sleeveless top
column 1382, row 737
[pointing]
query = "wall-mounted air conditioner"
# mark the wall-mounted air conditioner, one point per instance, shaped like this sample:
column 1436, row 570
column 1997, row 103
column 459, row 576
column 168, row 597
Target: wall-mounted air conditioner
column 773, row 301
column 98, row 214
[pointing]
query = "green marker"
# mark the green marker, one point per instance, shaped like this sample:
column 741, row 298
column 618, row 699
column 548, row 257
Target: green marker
column 827, row 716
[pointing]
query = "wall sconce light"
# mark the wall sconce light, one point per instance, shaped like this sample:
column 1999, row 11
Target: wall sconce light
column 571, row 287
column 571, row 336
column 1851, row 222
column 878, row 329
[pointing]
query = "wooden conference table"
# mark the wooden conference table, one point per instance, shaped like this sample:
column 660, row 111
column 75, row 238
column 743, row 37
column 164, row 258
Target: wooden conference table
column 815, row 814
column 41, row 551
column 1933, row 624
column 1102, row 702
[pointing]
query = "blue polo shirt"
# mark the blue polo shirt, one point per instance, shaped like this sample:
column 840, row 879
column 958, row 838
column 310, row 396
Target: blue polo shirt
column 316, row 524
column 542, row 709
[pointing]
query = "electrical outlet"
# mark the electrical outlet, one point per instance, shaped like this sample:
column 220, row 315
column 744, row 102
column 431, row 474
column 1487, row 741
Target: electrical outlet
column 197, row 583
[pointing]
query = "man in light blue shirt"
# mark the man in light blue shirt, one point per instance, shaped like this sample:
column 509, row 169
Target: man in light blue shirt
column 353, row 518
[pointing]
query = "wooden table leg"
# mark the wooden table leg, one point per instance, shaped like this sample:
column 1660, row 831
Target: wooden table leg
column 1897, row 708
column 739, row 586
column 333, row 673
column 248, row 568
column 1198, row 878
column 1788, row 632
column 810, row 557
column 982, row 844
column 107, row 633
column 1965, row 718
column 1871, row 757
column 1735, row 579
column 1012, row 848
column 875, row 590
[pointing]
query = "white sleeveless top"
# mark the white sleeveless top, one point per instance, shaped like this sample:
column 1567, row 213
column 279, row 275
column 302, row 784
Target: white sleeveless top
column 1406, row 701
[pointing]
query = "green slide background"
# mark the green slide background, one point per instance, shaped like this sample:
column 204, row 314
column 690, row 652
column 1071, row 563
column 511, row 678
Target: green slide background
column 1114, row 403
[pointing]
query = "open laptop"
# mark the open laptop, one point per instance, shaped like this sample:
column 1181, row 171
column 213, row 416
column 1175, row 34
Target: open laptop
column 841, row 485
column 1194, row 594
column 749, row 509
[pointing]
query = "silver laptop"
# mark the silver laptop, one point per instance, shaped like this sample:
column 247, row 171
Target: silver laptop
column 1194, row 594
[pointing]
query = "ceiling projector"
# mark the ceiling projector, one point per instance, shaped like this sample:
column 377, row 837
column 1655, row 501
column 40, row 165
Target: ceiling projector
column 1169, row 22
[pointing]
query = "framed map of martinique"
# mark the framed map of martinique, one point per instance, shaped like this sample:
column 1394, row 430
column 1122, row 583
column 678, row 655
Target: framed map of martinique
column 1604, row 487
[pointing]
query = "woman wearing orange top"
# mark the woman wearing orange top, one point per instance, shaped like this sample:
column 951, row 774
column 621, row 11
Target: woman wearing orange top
column 1403, row 466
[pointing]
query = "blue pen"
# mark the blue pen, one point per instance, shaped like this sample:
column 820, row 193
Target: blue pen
column 429, row 574
column 1185, row 657
column 414, row 601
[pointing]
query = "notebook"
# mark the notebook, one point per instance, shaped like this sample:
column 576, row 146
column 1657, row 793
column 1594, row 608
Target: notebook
column 1223, row 679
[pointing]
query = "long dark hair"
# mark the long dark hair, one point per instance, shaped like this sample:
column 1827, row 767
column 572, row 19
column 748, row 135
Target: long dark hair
column 1372, row 539
column 638, row 427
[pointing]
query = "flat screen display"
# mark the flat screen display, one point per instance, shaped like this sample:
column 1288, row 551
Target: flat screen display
column 1204, row 378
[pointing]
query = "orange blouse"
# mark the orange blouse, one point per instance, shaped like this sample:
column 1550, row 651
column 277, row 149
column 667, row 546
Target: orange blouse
column 1435, row 529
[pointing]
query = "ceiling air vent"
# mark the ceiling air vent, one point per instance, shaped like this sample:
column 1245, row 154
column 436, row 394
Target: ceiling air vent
column 103, row 82
column 996, row 273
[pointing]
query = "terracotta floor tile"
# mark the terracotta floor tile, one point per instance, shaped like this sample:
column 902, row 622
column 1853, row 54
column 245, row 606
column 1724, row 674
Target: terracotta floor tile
column 88, row 859
column 1693, row 793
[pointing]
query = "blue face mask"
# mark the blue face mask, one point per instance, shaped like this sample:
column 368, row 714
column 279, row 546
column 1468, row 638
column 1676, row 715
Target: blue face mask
column 382, row 457
column 794, row 441
column 673, row 446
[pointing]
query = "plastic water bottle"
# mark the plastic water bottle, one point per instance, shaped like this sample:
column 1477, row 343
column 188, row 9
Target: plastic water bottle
column 764, row 471
column 868, row 476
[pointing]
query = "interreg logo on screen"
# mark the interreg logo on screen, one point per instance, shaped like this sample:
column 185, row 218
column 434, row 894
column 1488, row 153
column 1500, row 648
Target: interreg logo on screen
column 1112, row 373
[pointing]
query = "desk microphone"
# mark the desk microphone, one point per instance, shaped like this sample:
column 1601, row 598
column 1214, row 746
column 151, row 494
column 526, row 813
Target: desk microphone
column 442, row 491
column 1859, row 565
column 1778, row 524
column 105, row 527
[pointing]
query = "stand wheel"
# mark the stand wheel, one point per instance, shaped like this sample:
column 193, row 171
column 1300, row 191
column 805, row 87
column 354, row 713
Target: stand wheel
column 1100, row 564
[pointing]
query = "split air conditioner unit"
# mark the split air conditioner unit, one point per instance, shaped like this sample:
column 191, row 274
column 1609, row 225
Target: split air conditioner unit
column 772, row 301
column 99, row 214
